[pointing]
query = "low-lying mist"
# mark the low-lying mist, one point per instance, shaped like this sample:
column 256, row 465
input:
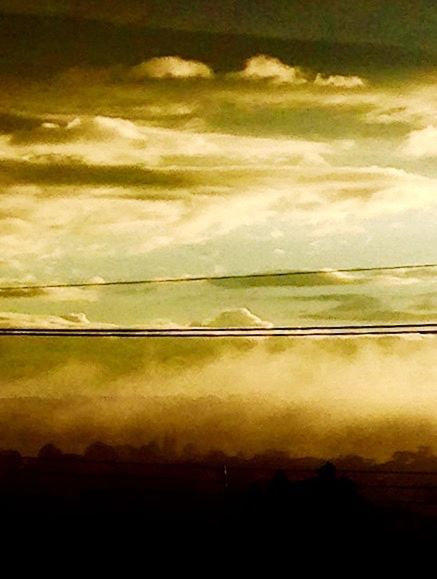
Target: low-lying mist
column 325, row 397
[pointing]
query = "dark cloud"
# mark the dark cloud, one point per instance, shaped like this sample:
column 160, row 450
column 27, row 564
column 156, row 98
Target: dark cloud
column 23, row 293
column 308, row 280
column 399, row 22
column 139, row 182
column 125, row 11
column 58, row 170
column 12, row 122
column 369, row 309
column 351, row 300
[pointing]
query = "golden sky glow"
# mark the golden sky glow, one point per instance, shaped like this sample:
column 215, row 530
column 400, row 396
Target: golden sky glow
column 177, row 164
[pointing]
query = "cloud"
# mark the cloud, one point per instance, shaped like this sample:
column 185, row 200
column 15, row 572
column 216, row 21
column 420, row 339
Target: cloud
column 396, row 115
column 372, row 315
column 67, row 294
column 173, row 67
column 307, row 280
column 104, row 140
column 412, row 104
column 269, row 68
column 236, row 318
column 366, row 307
column 159, row 207
column 11, row 122
column 63, row 170
column 422, row 142
column 78, row 179
column 83, row 129
column 263, row 67
column 21, row 320
column 22, row 293
column 339, row 81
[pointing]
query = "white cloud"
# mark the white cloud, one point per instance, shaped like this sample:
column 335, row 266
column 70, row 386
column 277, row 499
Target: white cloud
column 170, row 67
column 105, row 140
column 236, row 318
column 414, row 104
column 390, row 116
column 222, row 182
column 339, row 81
column 96, row 128
column 397, row 280
column 422, row 143
column 263, row 67
column 220, row 200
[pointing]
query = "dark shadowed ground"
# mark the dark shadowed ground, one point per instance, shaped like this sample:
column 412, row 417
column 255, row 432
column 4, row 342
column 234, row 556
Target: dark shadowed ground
column 103, row 498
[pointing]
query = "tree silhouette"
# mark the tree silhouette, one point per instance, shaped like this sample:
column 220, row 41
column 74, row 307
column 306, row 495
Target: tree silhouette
column 101, row 452
column 49, row 452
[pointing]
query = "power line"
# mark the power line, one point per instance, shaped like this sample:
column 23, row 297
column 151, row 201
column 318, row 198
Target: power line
column 236, row 329
column 291, row 332
column 230, row 277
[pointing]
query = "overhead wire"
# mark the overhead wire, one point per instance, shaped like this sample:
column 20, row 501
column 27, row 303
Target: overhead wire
column 229, row 331
column 217, row 278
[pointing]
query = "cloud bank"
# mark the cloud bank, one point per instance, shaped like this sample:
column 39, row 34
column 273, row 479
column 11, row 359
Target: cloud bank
column 261, row 67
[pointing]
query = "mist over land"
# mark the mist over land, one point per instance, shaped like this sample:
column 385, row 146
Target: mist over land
column 322, row 398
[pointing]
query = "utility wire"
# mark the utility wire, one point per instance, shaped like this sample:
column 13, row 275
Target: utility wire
column 236, row 329
column 298, row 332
column 210, row 332
column 230, row 277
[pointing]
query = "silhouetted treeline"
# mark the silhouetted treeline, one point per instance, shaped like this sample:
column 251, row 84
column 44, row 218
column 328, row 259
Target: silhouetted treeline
column 268, row 499
column 166, row 451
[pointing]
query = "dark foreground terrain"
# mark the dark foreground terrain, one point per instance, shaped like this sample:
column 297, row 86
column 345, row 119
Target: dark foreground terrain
column 62, row 499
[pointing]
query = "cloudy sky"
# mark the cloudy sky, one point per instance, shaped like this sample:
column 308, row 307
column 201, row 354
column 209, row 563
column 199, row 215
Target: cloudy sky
column 128, row 154
column 115, row 167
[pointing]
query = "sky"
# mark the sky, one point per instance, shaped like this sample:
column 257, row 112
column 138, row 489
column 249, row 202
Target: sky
column 133, row 161
column 406, row 22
